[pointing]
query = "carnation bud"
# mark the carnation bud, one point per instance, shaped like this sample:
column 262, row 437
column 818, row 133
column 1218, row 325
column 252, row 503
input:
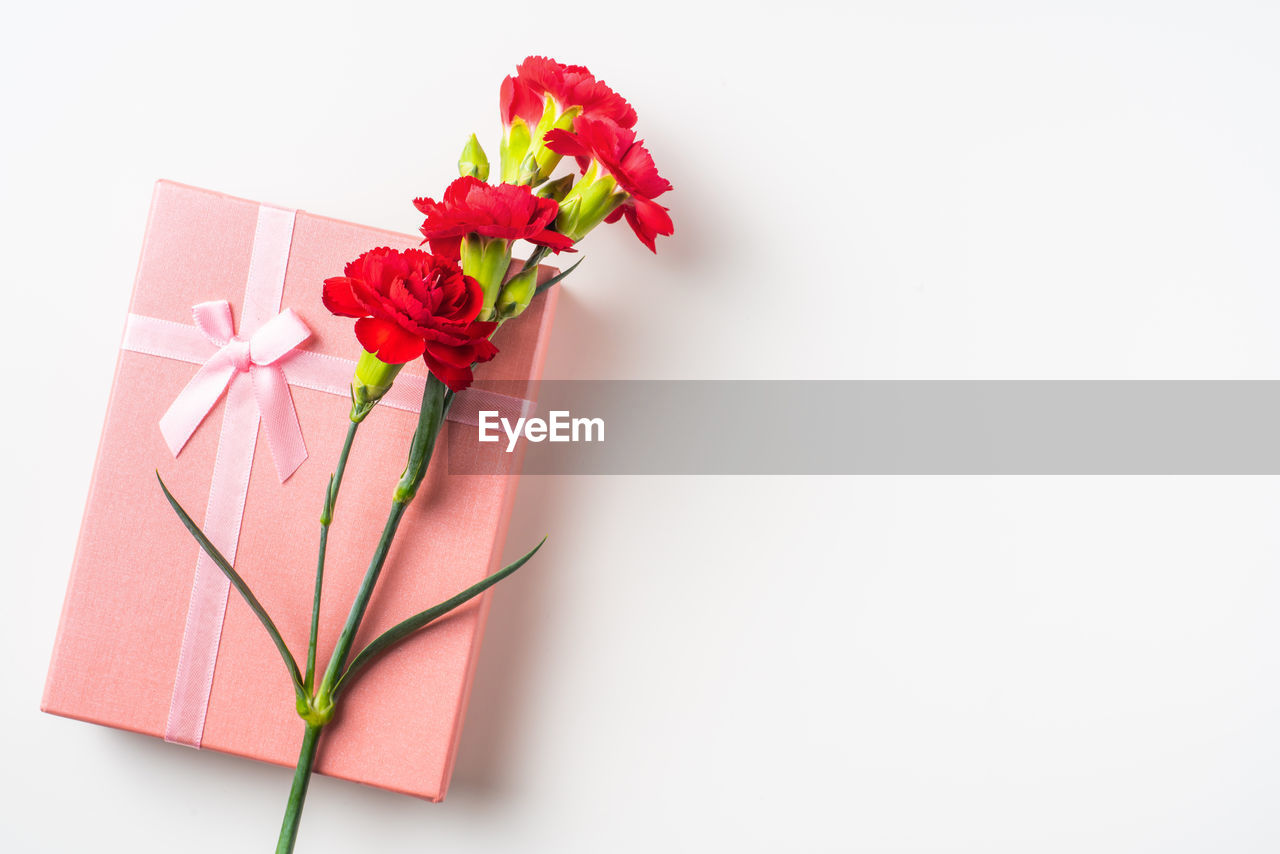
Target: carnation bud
column 515, row 146
column 486, row 260
column 528, row 172
column 556, row 189
column 473, row 163
column 517, row 293
column 373, row 379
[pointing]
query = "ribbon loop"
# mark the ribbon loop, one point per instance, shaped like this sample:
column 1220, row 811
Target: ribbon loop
column 257, row 356
column 278, row 337
column 214, row 320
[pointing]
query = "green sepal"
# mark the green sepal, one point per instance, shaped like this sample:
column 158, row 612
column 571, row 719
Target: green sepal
column 598, row 201
column 546, row 120
column 547, row 159
column 556, row 189
column 585, row 206
column 486, row 259
column 514, row 148
column 372, row 380
column 567, row 218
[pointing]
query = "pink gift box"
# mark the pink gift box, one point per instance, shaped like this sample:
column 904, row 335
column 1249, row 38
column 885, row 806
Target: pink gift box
column 126, row 612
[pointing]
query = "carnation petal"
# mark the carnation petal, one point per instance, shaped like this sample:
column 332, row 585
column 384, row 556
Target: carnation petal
column 654, row 217
column 338, row 298
column 553, row 240
column 447, row 247
column 563, row 142
column 388, row 341
column 454, row 377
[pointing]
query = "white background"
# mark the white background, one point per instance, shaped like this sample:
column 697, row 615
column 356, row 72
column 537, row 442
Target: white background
column 862, row 191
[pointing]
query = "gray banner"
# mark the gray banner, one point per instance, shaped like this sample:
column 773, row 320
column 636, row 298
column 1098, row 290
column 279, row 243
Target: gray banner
column 895, row 427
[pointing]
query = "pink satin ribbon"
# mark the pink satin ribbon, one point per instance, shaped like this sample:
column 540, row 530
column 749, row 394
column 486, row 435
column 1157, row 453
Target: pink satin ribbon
column 235, row 357
column 253, row 369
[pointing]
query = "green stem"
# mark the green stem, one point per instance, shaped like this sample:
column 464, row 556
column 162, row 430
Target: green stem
column 298, row 793
column 430, row 418
column 535, row 258
column 326, row 518
column 317, row 708
column 361, row 603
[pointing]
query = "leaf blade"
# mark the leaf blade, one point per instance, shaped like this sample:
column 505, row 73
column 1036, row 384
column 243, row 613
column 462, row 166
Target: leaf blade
column 421, row 620
column 557, row 277
column 239, row 584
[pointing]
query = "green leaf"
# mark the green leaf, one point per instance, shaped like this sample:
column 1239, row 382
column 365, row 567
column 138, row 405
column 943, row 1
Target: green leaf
column 402, row 630
column 551, row 281
column 239, row 584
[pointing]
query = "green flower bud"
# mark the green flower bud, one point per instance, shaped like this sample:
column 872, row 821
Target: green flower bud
column 373, row 379
column 515, row 146
column 486, row 260
column 528, row 172
column 473, row 163
column 556, row 189
column 516, row 294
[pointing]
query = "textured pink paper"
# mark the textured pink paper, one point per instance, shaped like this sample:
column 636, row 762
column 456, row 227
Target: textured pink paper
column 117, row 646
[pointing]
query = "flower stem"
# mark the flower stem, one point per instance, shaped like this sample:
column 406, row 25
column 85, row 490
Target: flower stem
column 363, row 596
column 317, row 709
column 430, row 418
column 535, row 258
column 298, row 793
column 326, row 517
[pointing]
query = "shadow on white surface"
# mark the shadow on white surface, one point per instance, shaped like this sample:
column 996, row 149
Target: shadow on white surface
column 495, row 725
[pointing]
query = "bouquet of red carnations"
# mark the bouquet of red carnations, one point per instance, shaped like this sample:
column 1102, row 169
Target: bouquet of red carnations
column 444, row 306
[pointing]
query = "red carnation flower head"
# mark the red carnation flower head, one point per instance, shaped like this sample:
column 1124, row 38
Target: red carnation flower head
column 470, row 206
column 619, row 179
column 476, row 222
column 411, row 303
column 569, row 86
column 543, row 95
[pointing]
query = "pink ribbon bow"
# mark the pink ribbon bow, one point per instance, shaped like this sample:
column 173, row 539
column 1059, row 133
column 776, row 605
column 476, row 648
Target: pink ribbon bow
column 258, row 357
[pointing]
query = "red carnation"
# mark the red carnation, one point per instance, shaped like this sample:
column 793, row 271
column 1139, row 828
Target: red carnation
column 569, row 85
column 412, row 304
column 505, row 210
column 620, row 154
